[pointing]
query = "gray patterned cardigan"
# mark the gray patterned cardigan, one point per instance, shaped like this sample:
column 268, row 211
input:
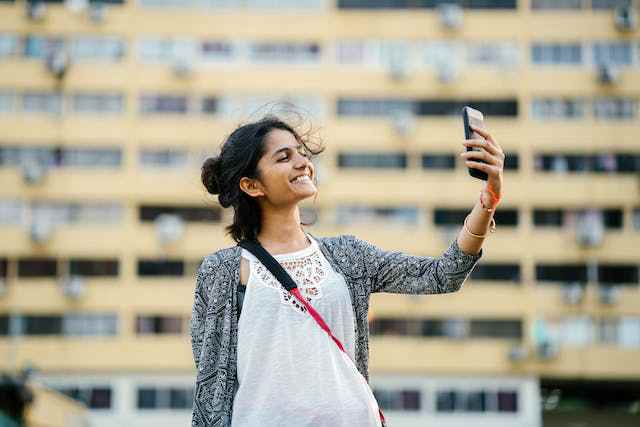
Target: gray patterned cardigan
column 366, row 269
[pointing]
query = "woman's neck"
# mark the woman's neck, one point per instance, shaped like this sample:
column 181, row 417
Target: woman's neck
column 281, row 232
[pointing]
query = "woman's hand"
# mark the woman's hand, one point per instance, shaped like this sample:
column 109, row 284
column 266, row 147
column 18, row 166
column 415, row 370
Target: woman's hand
column 493, row 156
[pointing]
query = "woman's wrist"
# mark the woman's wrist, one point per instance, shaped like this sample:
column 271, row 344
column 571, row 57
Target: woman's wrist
column 489, row 200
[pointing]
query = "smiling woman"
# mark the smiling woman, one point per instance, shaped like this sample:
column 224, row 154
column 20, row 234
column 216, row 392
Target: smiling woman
column 270, row 364
column 254, row 174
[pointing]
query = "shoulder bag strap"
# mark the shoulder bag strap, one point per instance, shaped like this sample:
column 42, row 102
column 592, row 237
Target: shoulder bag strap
column 289, row 284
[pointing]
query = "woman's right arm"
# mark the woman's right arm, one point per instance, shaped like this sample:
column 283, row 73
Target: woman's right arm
column 204, row 278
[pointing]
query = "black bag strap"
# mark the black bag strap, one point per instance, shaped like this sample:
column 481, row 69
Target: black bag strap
column 268, row 261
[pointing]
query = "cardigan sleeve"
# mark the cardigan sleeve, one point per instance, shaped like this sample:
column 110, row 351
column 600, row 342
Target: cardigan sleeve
column 199, row 311
column 402, row 273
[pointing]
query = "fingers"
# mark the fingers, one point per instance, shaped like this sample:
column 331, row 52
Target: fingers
column 489, row 169
column 488, row 143
column 482, row 155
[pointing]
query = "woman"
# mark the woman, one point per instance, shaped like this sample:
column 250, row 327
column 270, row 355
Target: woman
column 274, row 366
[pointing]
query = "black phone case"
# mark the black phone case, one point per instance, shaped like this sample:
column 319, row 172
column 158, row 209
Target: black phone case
column 468, row 134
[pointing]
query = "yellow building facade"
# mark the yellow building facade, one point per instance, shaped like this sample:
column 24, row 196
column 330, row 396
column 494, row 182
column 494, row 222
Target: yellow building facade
column 107, row 111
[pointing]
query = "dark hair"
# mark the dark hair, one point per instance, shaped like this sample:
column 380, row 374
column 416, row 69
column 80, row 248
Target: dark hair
column 239, row 156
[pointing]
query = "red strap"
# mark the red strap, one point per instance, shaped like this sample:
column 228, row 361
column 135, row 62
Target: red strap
column 323, row 325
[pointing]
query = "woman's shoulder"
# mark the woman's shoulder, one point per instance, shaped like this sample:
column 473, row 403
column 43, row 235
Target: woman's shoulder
column 221, row 256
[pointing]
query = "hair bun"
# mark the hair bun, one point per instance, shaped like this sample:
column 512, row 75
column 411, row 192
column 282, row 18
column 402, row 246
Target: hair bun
column 211, row 174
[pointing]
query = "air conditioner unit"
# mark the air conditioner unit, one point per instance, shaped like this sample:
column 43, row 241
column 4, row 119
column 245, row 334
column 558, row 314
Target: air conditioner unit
column 398, row 68
column 169, row 228
column 33, row 171
column 182, row 67
column 58, row 63
column 450, row 15
column 625, row 17
column 457, row 329
column 608, row 74
column 446, row 71
column 572, row 293
column 403, row 122
column 73, row 287
column 547, row 350
column 518, row 352
column 40, row 231
column 97, row 12
column 607, row 294
column 589, row 228
column 36, row 10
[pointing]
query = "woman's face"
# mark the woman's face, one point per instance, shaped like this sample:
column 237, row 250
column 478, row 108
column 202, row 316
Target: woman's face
column 286, row 173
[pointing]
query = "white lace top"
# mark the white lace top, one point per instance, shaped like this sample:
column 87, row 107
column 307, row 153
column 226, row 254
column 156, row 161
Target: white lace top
column 290, row 372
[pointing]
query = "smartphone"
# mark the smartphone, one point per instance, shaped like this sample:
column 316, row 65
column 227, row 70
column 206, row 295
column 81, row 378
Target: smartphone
column 471, row 116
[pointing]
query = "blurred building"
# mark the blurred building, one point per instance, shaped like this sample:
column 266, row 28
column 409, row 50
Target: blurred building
column 107, row 110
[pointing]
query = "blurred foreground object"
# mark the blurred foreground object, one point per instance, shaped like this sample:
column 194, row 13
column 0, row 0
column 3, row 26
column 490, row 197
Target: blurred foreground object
column 26, row 403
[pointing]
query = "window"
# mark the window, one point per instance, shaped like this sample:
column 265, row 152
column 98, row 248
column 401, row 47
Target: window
column 608, row 330
column 511, row 161
column 550, row 109
column 606, row 4
column 556, row 53
column 496, row 272
column 42, row 325
column 165, row 398
column 8, row 102
column 189, row 214
column 97, row 103
column 612, row 52
column 42, row 102
column 443, row 217
column 97, row 48
column 212, row 51
column 283, row 52
column 575, row 331
column 373, row 107
column 168, row 104
column 4, row 325
column 561, row 273
column 555, row 4
column 612, row 218
column 159, row 325
column 93, row 397
column 163, row 157
column 40, row 47
column 503, row 108
column 12, row 212
column 618, row 274
column 548, row 217
column 209, row 105
column 508, row 401
column 148, row 267
column 509, row 329
column 166, row 50
column 353, row 214
column 398, row 400
column 90, row 157
column 93, row 267
column 9, row 45
column 392, row 160
column 37, row 267
column 504, row 54
column 615, row 108
column 3, row 268
column 630, row 332
column 407, row 4
column 438, row 161
column 506, row 217
column 84, row 324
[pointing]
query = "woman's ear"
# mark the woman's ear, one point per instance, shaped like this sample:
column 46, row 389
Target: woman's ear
column 251, row 186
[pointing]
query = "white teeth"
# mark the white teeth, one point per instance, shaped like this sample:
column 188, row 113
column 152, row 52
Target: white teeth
column 303, row 178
